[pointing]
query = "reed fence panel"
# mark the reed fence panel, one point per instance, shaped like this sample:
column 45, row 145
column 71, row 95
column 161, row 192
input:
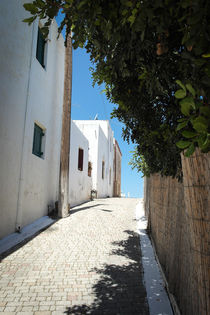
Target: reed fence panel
column 178, row 220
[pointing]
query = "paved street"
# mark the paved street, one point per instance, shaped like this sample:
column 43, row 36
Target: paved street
column 88, row 263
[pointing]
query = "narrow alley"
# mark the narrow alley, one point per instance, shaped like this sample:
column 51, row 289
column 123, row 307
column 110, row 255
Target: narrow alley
column 87, row 263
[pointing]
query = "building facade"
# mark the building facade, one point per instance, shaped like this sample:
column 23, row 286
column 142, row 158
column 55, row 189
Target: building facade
column 117, row 169
column 80, row 178
column 31, row 104
column 100, row 158
column 31, row 97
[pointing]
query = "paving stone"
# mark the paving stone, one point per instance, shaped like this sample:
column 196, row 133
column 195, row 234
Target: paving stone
column 88, row 263
column 42, row 313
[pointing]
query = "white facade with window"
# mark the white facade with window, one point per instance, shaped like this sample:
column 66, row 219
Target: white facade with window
column 101, row 155
column 79, row 182
column 30, row 94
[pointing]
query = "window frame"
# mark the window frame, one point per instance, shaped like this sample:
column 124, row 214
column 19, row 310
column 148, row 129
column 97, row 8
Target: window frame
column 37, row 148
column 41, row 48
column 80, row 159
column 103, row 168
column 90, row 169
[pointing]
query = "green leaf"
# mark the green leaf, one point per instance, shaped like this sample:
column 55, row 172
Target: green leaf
column 181, row 85
column 207, row 70
column 201, row 139
column 205, row 111
column 81, row 3
column 190, row 150
column 182, row 119
column 52, row 12
column 180, row 94
column 40, row 3
column 188, row 100
column 134, row 11
column 186, row 104
column 131, row 19
column 185, row 37
column 190, row 89
column 31, row 8
column 124, row 12
column 30, row 20
column 181, row 125
column 189, row 134
column 66, row 6
column 183, row 144
column 97, row 22
column 200, row 124
column 185, row 109
column 45, row 31
column 206, row 55
column 205, row 146
column 129, row 4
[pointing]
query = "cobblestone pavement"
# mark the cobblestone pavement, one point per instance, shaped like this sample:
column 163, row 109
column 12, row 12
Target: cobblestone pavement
column 88, row 263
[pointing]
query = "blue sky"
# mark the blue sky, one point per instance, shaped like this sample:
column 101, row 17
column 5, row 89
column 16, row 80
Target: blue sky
column 87, row 102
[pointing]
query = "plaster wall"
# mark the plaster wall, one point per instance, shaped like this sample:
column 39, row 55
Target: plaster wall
column 100, row 137
column 80, row 183
column 103, row 156
column 106, row 153
column 90, row 131
column 28, row 94
column 117, row 169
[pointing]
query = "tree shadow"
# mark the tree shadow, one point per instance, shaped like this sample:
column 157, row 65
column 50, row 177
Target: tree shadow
column 73, row 211
column 120, row 289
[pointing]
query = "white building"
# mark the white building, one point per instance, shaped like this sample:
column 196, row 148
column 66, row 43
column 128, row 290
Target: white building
column 80, row 180
column 99, row 157
column 117, row 169
column 31, row 96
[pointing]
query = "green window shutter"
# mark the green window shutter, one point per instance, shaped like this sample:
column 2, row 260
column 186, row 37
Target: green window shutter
column 37, row 141
column 40, row 48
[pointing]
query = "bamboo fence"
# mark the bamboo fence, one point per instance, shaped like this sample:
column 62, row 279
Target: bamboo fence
column 178, row 219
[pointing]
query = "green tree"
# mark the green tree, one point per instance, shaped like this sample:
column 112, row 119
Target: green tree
column 144, row 51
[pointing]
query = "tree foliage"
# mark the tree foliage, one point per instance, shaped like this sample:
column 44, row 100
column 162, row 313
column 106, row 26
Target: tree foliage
column 154, row 58
column 137, row 161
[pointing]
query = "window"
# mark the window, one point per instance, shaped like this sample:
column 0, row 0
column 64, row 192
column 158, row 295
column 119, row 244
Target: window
column 103, row 169
column 38, row 141
column 89, row 169
column 40, row 49
column 80, row 159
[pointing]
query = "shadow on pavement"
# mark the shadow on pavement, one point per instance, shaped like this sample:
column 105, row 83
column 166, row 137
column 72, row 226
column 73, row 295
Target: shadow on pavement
column 50, row 228
column 120, row 289
column 87, row 208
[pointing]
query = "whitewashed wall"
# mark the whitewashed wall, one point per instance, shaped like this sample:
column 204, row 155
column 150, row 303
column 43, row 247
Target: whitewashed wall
column 117, row 169
column 100, row 137
column 90, row 131
column 80, row 183
column 28, row 94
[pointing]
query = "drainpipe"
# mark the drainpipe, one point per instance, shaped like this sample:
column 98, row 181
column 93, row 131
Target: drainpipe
column 18, row 223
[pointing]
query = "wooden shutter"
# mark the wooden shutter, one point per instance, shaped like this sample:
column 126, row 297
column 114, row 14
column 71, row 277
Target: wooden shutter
column 103, row 163
column 80, row 159
column 40, row 48
column 37, row 141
